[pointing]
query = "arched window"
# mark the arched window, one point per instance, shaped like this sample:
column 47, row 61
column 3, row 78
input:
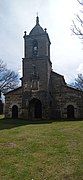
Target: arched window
column 15, row 111
column 70, row 112
column 35, row 47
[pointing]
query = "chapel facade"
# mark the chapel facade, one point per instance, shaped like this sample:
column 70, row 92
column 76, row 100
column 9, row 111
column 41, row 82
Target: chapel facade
column 44, row 93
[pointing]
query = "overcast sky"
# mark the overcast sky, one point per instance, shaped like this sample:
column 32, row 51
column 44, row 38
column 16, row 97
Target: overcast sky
column 16, row 16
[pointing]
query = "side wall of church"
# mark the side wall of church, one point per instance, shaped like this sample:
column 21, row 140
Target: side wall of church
column 71, row 96
column 13, row 98
column 64, row 96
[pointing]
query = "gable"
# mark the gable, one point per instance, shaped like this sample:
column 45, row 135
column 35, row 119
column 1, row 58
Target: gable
column 57, row 79
column 15, row 91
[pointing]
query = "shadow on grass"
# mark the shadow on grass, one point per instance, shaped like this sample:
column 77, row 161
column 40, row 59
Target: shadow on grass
column 12, row 123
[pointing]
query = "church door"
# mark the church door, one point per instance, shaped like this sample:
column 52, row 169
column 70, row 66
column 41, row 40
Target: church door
column 35, row 109
column 70, row 112
column 15, row 112
column 38, row 109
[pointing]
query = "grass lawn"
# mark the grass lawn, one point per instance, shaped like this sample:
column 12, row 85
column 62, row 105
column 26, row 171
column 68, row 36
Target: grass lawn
column 49, row 151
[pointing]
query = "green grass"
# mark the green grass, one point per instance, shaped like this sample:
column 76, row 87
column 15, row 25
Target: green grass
column 1, row 116
column 49, row 151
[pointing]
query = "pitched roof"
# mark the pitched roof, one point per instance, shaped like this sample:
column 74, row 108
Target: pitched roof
column 13, row 90
column 37, row 28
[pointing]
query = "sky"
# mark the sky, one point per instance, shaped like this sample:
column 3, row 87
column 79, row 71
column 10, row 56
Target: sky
column 16, row 16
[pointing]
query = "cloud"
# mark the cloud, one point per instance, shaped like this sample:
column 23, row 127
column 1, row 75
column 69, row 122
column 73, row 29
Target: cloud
column 19, row 15
column 80, row 69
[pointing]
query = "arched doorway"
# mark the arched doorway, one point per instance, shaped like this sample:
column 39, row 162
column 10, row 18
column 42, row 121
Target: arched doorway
column 1, row 107
column 38, row 109
column 70, row 112
column 15, row 111
column 35, row 109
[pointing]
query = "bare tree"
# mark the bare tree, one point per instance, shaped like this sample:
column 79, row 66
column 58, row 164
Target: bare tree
column 77, row 25
column 79, row 82
column 8, row 79
column 77, row 29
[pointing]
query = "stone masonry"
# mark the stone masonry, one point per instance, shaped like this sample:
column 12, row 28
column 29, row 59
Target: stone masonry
column 44, row 94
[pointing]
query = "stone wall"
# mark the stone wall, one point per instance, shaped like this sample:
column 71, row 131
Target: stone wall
column 63, row 96
column 13, row 98
column 42, row 96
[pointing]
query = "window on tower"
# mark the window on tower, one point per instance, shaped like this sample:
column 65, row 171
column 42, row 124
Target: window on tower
column 35, row 47
column 35, row 85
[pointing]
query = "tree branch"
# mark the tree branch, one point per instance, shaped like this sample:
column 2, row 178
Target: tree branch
column 8, row 78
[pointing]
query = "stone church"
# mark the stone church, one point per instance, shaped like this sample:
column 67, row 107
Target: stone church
column 44, row 93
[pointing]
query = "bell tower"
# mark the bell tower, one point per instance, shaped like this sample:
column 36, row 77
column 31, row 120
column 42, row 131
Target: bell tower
column 37, row 43
column 36, row 65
